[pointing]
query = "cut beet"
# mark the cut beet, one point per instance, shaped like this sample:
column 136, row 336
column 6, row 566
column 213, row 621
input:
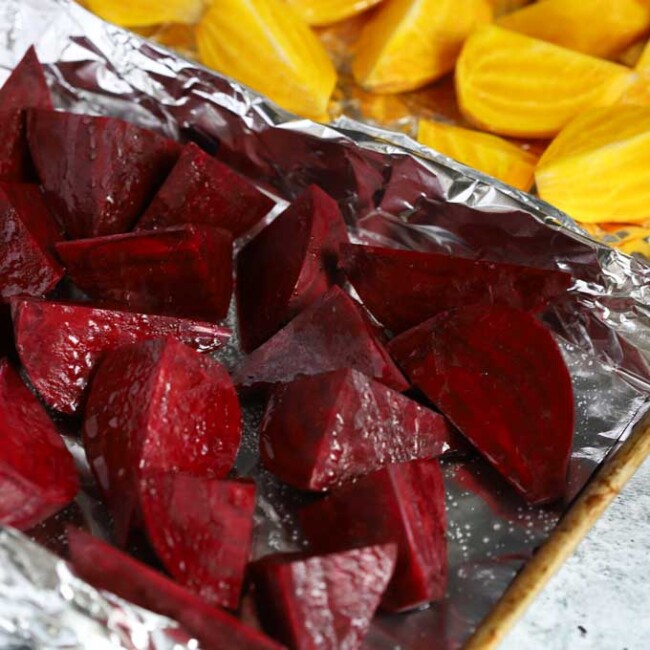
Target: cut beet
column 202, row 190
column 323, row 430
column 25, row 88
column 98, row 173
column 27, row 236
column 403, row 288
column 288, row 265
column 60, row 343
column 499, row 376
column 184, row 271
column 37, row 472
column 155, row 407
column 201, row 530
column 330, row 334
column 108, row 569
column 403, row 503
column 323, row 602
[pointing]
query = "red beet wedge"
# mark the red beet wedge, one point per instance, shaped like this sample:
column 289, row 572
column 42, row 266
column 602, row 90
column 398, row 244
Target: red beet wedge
column 60, row 343
column 108, row 569
column 201, row 530
column 288, row 265
column 183, row 271
column 403, row 288
column 323, row 602
column 155, row 407
column 499, row 376
column 37, row 472
column 25, row 88
column 403, row 503
column 200, row 189
column 322, row 430
column 98, row 173
column 332, row 333
column 27, row 236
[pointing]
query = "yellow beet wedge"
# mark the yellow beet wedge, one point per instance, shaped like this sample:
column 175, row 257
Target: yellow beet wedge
column 520, row 86
column 487, row 153
column 598, row 167
column 139, row 13
column 267, row 46
column 597, row 27
column 409, row 43
column 325, row 12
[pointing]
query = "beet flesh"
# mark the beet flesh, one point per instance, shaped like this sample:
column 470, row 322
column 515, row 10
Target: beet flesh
column 155, row 407
column 288, row 265
column 37, row 472
column 499, row 376
column 59, row 343
column 98, row 173
column 323, row 602
column 181, row 271
column 331, row 333
column 402, row 503
column 322, row 430
column 403, row 288
column 202, row 190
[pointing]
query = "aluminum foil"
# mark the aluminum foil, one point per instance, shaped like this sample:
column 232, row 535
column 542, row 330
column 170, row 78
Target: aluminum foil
column 392, row 191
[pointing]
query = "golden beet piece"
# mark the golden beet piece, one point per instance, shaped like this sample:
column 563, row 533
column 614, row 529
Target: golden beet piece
column 326, row 12
column 487, row 153
column 266, row 45
column 409, row 43
column 596, row 169
column 520, row 86
column 597, row 27
column 139, row 13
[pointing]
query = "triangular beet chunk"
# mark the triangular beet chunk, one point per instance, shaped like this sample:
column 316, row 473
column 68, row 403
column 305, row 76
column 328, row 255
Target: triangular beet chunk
column 322, row 602
column 288, row 265
column 201, row 530
column 27, row 236
column 403, row 288
column 108, row 569
column 155, row 407
column 499, row 376
column 331, row 333
column 98, row 173
column 60, row 343
column 182, row 271
column 323, row 430
column 200, row 189
column 402, row 503
column 26, row 87
column 37, row 472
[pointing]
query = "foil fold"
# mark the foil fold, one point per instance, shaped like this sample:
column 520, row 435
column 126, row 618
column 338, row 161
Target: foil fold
column 395, row 192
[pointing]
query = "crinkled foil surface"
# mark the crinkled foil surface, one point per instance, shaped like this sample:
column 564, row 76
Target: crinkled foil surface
column 394, row 192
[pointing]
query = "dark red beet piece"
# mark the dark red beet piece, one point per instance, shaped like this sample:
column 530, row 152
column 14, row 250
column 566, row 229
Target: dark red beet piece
column 37, row 472
column 108, row 569
column 60, row 343
column 326, row 429
column 183, row 271
column 499, row 376
column 403, row 288
column 155, row 407
column 201, row 530
column 25, row 88
column 27, row 236
column 98, row 173
column 332, row 333
column 202, row 190
column 403, row 503
column 322, row 602
column 288, row 265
